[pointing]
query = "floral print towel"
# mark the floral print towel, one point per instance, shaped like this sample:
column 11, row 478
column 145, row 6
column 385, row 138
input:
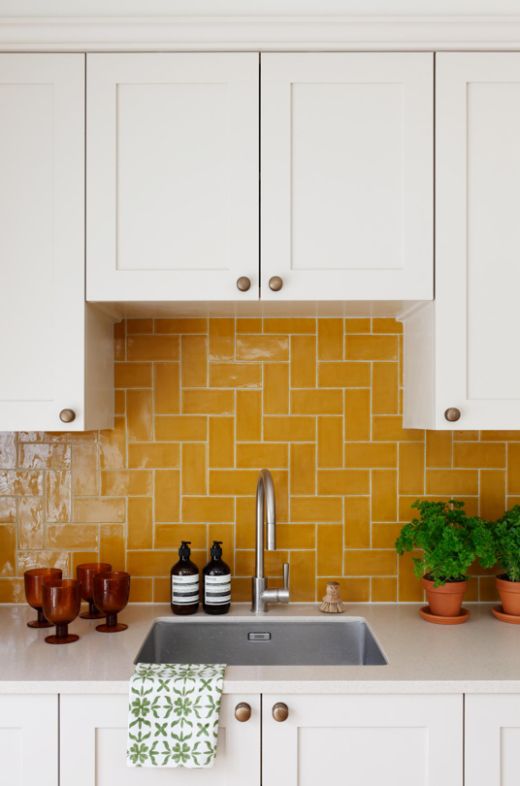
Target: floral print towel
column 173, row 715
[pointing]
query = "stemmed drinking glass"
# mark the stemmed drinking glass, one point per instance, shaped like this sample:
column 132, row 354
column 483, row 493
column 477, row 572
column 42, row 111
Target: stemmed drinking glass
column 111, row 591
column 61, row 605
column 33, row 582
column 85, row 574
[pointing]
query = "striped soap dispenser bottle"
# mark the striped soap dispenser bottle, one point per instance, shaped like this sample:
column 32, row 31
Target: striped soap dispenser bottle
column 217, row 582
column 185, row 582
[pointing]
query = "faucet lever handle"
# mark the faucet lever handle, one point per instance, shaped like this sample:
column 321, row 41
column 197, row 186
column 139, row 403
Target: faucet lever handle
column 286, row 575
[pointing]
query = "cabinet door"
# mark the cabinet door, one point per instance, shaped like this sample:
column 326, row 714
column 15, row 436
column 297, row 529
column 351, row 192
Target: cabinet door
column 478, row 238
column 363, row 741
column 93, row 736
column 347, row 176
column 29, row 740
column 172, row 176
column 42, row 311
column 492, row 740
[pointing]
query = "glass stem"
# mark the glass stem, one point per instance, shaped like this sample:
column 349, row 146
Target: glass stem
column 111, row 620
column 62, row 630
column 92, row 608
column 42, row 619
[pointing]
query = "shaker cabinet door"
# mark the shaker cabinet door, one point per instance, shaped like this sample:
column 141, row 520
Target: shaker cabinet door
column 365, row 740
column 93, row 736
column 42, row 273
column 347, row 176
column 492, row 740
column 172, row 176
column 28, row 740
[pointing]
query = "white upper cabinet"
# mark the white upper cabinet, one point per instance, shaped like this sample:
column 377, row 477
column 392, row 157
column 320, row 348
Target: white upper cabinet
column 46, row 358
column 172, row 176
column 458, row 351
column 347, row 176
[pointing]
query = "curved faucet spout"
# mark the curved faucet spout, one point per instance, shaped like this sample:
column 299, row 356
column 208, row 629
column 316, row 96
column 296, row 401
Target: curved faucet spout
column 266, row 509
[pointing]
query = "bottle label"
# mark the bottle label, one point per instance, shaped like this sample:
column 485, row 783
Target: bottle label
column 217, row 590
column 185, row 589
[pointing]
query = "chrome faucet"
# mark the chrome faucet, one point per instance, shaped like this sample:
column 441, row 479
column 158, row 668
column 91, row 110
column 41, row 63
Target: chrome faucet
column 265, row 502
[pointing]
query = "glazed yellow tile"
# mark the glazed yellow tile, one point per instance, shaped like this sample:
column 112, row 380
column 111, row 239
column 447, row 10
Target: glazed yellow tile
column 221, row 442
column 7, row 510
column 371, row 347
column 262, row 347
column 439, row 448
column 296, row 536
column 125, row 483
column 289, row 325
column 140, row 525
column 139, row 421
column 343, row 481
column 276, row 389
column 167, row 495
column 316, row 509
column 330, row 339
column 182, row 325
column 344, row 375
column 150, row 563
column 141, row 590
column 513, row 468
column 152, row 347
column 200, row 510
column 7, row 550
column 245, row 522
column 112, row 545
column 194, row 361
column 249, row 325
column 384, row 589
column 316, row 402
column 386, row 325
column 357, row 415
column 261, row 454
column 358, row 325
column 167, row 392
column 289, row 429
column 208, row 402
column 492, row 493
column 112, row 446
column 373, row 562
column 235, row 375
column 303, row 576
column 479, row 455
column 330, row 441
column 384, row 535
column 330, row 549
column 158, row 455
column 232, row 481
column 388, row 428
column 169, row 536
column 369, row 454
column 249, row 415
column 99, row 511
column 58, row 496
column 139, row 326
column 303, row 361
column 181, row 428
column 120, row 341
column 451, row 482
column 194, row 468
column 385, row 390
column 384, row 495
column 411, row 468
column 302, row 475
column 85, row 470
column 72, row 536
column 221, row 339
column 357, row 522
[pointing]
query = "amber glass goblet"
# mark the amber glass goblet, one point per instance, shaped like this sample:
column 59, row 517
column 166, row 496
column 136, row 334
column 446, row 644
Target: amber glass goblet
column 111, row 591
column 85, row 574
column 33, row 581
column 61, row 605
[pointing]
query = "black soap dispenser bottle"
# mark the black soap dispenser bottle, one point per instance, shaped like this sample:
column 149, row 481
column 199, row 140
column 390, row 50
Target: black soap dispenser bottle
column 217, row 582
column 185, row 582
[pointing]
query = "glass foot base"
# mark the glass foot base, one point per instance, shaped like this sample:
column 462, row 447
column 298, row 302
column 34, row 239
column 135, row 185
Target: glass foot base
column 111, row 628
column 36, row 624
column 68, row 639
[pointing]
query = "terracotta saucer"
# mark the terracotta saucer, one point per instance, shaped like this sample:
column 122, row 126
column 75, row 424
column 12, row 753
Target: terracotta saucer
column 429, row 617
column 500, row 614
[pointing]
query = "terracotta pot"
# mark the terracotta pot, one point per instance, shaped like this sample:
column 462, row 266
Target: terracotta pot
column 509, row 592
column 446, row 600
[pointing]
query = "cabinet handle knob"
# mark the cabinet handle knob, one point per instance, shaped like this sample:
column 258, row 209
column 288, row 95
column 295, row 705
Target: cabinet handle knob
column 243, row 711
column 280, row 711
column 452, row 414
column 243, row 283
column 67, row 415
column 275, row 283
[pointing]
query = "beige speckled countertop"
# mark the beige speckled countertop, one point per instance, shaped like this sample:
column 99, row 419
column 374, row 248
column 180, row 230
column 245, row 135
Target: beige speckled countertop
column 481, row 656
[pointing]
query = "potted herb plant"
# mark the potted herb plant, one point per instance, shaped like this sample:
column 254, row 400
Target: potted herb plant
column 506, row 535
column 450, row 542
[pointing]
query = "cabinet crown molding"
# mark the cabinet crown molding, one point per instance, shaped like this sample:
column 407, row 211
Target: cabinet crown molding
column 237, row 33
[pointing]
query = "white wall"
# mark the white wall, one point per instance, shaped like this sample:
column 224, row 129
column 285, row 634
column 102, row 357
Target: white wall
column 70, row 8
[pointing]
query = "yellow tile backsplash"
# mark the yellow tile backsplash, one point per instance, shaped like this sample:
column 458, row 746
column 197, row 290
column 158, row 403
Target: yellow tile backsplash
column 201, row 406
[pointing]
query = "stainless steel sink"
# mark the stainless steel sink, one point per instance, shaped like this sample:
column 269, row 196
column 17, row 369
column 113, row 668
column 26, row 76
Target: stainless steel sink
column 265, row 642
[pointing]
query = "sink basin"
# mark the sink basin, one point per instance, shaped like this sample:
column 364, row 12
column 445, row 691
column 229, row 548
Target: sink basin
column 265, row 642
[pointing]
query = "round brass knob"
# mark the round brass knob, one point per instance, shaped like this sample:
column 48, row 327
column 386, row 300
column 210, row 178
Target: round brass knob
column 452, row 414
column 275, row 283
column 280, row 711
column 243, row 711
column 243, row 283
column 67, row 415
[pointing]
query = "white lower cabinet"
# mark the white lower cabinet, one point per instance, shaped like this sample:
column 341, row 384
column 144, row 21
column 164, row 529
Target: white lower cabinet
column 492, row 740
column 28, row 740
column 93, row 732
column 363, row 741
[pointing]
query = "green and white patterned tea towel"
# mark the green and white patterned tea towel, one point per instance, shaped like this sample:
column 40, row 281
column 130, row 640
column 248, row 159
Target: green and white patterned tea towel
column 173, row 715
